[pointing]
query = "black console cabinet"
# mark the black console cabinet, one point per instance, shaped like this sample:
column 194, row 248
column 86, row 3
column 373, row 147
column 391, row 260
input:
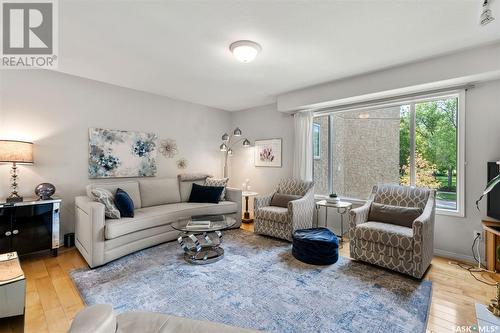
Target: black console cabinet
column 29, row 226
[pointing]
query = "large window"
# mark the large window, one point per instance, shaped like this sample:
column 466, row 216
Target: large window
column 415, row 142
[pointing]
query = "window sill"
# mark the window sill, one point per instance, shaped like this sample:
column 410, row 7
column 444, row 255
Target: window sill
column 444, row 212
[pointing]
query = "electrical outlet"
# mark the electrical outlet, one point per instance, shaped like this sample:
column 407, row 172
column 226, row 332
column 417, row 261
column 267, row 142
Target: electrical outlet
column 477, row 232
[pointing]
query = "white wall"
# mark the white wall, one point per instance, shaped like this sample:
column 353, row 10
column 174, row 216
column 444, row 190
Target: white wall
column 463, row 67
column 55, row 110
column 257, row 124
column 453, row 236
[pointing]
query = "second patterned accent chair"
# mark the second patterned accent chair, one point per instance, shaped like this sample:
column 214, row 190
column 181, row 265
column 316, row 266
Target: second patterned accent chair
column 281, row 222
column 403, row 248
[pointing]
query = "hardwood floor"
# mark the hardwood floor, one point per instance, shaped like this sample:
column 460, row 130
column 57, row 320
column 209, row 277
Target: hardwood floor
column 52, row 300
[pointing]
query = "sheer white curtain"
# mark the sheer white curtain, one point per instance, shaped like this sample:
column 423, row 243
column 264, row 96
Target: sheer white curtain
column 303, row 150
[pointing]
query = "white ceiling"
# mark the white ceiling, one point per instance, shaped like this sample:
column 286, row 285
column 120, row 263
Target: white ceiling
column 180, row 48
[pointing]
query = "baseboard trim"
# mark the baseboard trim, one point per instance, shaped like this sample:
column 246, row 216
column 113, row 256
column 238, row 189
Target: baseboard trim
column 452, row 255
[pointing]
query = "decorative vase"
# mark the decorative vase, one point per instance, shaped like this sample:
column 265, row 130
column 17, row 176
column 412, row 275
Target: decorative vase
column 45, row 191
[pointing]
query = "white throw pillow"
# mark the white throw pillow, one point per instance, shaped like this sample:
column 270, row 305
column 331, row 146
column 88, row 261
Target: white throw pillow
column 107, row 199
column 220, row 182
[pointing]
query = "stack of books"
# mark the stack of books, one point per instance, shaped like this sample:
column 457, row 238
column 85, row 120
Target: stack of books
column 10, row 268
column 198, row 224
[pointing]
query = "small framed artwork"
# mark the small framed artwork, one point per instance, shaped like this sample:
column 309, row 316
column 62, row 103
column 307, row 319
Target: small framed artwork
column 268, row 153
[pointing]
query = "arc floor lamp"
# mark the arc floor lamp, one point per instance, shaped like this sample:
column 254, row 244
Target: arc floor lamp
column 229, row 142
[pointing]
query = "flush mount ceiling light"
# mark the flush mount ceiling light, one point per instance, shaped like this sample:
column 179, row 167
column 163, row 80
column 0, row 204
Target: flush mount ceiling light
column 245, row 50
column 486, row 15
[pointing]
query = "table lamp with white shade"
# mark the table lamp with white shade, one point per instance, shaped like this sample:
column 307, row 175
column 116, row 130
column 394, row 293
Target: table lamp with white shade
column 15, row 152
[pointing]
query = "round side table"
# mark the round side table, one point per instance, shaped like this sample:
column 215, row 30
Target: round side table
column 246, row 214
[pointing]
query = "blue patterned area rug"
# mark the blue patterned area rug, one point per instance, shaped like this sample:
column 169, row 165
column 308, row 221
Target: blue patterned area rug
column 260, row 285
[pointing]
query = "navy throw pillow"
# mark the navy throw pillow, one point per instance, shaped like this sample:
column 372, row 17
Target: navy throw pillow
column 124, row 203
column 209, row 194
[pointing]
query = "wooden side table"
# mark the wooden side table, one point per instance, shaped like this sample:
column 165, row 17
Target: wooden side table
column 246, row 214
column 12, row 286
column 492, row 240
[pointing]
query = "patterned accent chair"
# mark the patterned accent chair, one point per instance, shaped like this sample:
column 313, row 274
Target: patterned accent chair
column 282, row 222
column 403, row 249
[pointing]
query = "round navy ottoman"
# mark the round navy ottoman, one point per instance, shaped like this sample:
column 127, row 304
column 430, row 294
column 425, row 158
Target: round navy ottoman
column 315, row 246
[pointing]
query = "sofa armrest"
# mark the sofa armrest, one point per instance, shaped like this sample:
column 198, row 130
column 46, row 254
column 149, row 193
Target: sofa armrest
column 262, row 201
column 97, row 318
column 423, row 233
column 427, row 215
column 89, row 230
column 234, row 195
column 302, row 211
column 359, row 215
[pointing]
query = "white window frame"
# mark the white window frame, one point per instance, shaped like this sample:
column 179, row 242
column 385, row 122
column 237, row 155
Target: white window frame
column 460, row 211
column 316, row 125
column 461, row 159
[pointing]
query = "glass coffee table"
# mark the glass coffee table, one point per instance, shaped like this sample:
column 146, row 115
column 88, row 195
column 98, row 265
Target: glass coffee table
column 200, row 237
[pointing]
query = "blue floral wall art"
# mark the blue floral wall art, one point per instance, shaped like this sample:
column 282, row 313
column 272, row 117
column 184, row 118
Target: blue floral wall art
column 115, row 153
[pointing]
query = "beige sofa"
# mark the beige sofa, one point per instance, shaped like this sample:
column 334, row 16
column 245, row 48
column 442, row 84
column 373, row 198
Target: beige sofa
column 158, row 202
column 101, row 319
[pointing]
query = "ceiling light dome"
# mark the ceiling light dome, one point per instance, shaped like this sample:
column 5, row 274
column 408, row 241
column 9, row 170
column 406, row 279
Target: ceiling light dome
column 245, row 50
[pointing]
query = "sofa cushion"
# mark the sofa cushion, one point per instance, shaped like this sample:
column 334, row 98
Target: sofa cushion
column 186, row 182
column 156, row 192
column 131, row 187
column 403, row 216
column 107, row 199
column 203, row 193
column 282, row 200
column 165, row 214
column 220, row 182
column 124, row 203
column 273, row 213
column 385, row 233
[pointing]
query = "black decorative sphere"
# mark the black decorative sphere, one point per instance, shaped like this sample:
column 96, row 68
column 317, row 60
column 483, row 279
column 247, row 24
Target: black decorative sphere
column 45, row 191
